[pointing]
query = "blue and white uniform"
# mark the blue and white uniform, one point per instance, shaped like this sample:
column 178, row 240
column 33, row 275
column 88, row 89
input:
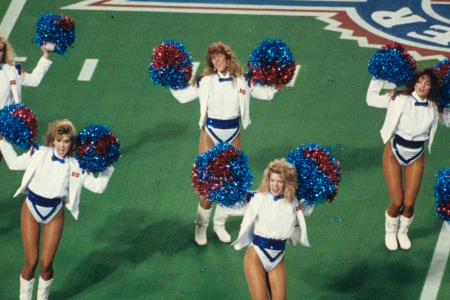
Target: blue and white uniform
column 12, row 78
column 222, row 103
column 269, row 223
column 51, row 181
column 411, row 119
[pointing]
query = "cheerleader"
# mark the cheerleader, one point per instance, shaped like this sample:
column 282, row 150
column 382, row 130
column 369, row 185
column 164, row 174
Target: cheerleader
column 269, row 223
column 13, row 77
column 412, row 116
column 224, row 95
column 52, row 178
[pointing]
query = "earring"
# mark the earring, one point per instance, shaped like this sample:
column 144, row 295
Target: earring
column 228, row 65
column 215, row 69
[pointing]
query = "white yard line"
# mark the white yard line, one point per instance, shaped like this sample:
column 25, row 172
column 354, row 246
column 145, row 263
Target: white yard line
column 11, row 16
column 437, row 267
column 88, row 69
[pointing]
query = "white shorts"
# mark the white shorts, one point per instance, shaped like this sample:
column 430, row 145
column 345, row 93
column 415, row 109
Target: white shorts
column 406, row 151
column 222, row 130
column 270, row 258
column 42, row 209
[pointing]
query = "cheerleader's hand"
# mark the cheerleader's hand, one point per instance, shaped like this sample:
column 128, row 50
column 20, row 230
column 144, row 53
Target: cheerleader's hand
column 45, row 52
column 1, row 138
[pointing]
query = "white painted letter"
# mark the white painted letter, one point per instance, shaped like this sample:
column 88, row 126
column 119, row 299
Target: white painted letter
column 389, row 19
column 441, row 37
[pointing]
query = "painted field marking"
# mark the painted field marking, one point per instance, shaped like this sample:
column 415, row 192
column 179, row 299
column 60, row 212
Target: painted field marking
column 20, row 59
column 195, row 66
column 11, row 16
column 297, row 69
column 88, row 69
column 437, row 267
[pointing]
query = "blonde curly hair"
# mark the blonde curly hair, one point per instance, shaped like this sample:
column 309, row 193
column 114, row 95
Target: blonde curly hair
column 8, row 52
column 287, row 173
column 233, row 67
column 58, row 128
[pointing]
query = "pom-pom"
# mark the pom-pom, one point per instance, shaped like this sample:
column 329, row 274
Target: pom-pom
column 55, row 29
column 318, row 174
column 97, row 148
column 272, row 64
column 222, row 175
column 443, row 70
column 18, row 125
column 171, row 66
column 393, row 63
column 442, row 195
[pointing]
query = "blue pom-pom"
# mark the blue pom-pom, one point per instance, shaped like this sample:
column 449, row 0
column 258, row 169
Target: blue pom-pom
column 18, row 125
column 392, row 63
column 222, row 175
column 318, row 174
column 443, row 69
column 171, row 65
column 97, row 148
column 55, row 29
column 442, row 195
column 272, row 64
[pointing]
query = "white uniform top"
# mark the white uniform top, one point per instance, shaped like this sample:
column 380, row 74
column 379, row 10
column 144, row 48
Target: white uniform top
column 223, row 102
column 33, row 79
column 415, row 121
column 51, row 178
column 275, row 219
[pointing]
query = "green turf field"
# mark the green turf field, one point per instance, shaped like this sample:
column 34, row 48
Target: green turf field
column 136, row 241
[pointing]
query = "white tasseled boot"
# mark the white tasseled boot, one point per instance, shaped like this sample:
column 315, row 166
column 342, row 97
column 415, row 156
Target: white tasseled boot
column 220, row 217
column 201, row 224
column 391, row 232
column 44, row 288
column 402, row 235
column 26, row 288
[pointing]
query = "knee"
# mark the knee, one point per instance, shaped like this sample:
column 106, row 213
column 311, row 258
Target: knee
column 46, row 265
column 408, row 210
column 31, row 263
column 395, row 207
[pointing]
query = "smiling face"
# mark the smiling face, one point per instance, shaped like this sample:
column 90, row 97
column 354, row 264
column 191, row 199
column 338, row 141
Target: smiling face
column 62, row 144
column 423, row 86
column 276, row 184
column 219, row 61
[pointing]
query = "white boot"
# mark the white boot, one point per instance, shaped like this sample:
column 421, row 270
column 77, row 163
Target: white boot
column 220, row 217
column 201, row 224
column 402, row 236
column 44, row 288
column 391, row 232
column 26, row 288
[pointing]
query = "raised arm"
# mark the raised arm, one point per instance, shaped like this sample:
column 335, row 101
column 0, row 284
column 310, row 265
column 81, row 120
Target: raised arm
column 13, row 161
column 98, row 185
column 35, row 78
column 262, row 92
column 374, row 98
column 185, row 95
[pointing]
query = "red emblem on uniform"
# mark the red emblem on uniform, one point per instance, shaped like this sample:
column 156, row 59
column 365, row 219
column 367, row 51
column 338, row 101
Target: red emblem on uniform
column 13, row 82
column 242, row 91
column 298, row 207
column 75, row 174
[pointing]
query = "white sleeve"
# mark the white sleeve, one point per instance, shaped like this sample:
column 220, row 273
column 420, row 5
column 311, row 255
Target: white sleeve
column 34, row 79
column 444, row 118
column 185, row 95
column 306, row 209
column 13, row 161
column 374, row 98
column 262, row 92
column 98, row 185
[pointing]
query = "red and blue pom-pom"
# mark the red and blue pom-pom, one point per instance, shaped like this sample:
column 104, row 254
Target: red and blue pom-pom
column 222, row 175
column 171, row 65
column 318, row 174
column 443, row 70
column 55, row 29
column 272, row 64
column 442, row 195
column 18, row 125
column 393, row 63
column 97, row 148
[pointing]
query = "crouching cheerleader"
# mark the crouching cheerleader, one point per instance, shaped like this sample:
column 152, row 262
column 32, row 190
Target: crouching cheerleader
column 269, row 223
column 52, row 178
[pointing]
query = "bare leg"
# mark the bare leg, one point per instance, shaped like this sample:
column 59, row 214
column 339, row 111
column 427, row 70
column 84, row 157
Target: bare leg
column 50, row 240
column 206, row 143
column 277, row 282
column 256, row 275
column 413, row 179
column 31, row 231
column 1, row 155
column 393, row 175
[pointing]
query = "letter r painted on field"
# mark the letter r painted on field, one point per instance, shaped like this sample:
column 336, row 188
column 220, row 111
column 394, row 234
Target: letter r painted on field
column 390, row 19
